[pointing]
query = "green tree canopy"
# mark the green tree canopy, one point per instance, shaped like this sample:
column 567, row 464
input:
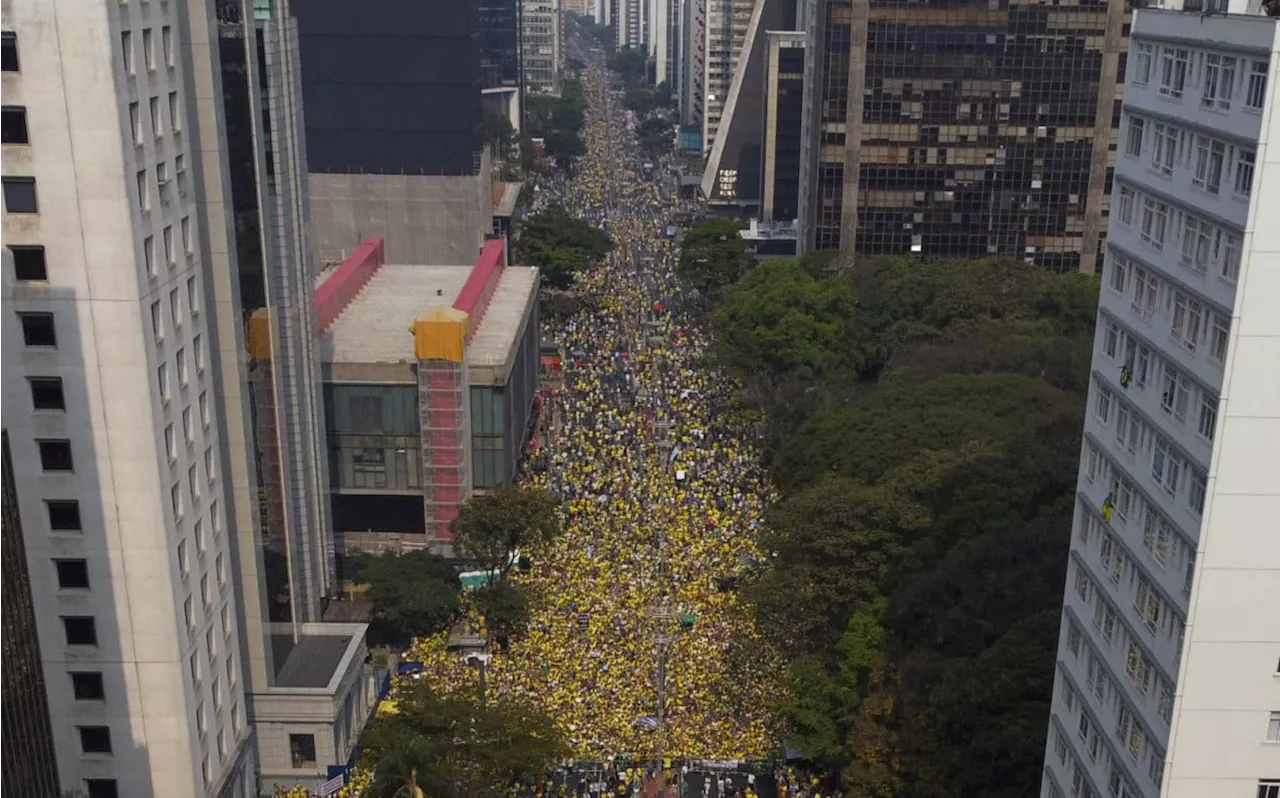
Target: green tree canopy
column 491, row 526
column 560, row 245
column 631, row 64
column 413, row 594
column 713, row 256
column 462, row 745
column 779, row 320
column 505, row 607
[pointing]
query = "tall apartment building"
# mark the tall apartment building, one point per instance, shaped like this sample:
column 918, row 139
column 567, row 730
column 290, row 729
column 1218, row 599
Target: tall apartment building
column 966, row 130
column 1167, row 664
column 541, row 50
column 31, row 766
column 114, row 173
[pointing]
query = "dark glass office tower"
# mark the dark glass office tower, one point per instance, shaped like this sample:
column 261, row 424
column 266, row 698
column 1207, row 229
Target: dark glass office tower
column 29, row 765
column 966, row 128
column 499, row 43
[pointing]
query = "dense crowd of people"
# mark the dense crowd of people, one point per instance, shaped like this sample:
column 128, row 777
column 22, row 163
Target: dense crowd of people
column 661, row 498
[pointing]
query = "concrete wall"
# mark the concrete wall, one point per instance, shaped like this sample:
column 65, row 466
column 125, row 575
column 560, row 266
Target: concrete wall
column 428, row 219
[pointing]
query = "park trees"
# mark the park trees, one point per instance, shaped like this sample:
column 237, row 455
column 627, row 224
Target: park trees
column 560, row 245
column 924, row 420
column 413, row 594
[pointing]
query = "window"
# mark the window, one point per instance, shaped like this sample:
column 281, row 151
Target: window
column 1256, row 92
column 198, row 534
column 1164, row 701
column 1119, row 274
column 175, row 310
column 149, row 255
column 222, row 745
column 64, row 515
column 206, row 597
column 80, row 630
column 1142, row 70
column 162, row 379
column 214, row 518
column 211, row 646
column 1188, row 320
column 29, row 263
column 46, row 393
column 167, row 238
column 1125, row 206
column 1142, row 367
column 8, row 52
column 1164, row 147
column 206, row 771
column 20, row 195
column 220, row 569
column 1073, row 640
column 175, row 500
column 1173, row 71
column 73, row 574
column 1244, row 172
column 184, row 559
column 144, row 196
column 193, row 664
column 232, row 673
column 101, row 788
column 38, row 329
column 1208, row 415
column 55, row 454
column 1133, row 143
column 302, row 750
column 162, row 181
column 193, row 483
column 149, row 48
column 1230, row 256
column 1148, row 604
column 1219, row 334
column 157, row 329
column 197, row 353
column 226, row 620
column 193, row 297
column 175, row 114
column 186, row 235
column 1219, row 80
column 1197, row 243
column 166, row 44
column 181, row 361
column 1210, row 156
column 215, row 689
column 1111, row 340
column 189, row 614
column 235, row 718
column 1198, row 487
column 13, row 125
column 1083, row 585
column 1102, row 405
column 1273, row 728
column 1155, row 221
column 95, row 739
column 126, row 51
column 1166, row 466
column 203, row 404
column 1155, row 767
column 157, row 121
column 135, row 122
column 188, row 434
column 202, row 720
column 87, row 686
column 210, row 469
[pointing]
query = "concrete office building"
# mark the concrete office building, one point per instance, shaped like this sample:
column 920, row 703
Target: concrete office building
column 418, row 422
column 540, row 23
column 31, row 766
column 725, row 38
column 114, row 173
column 394, row 140
column 693, row 73
column 310, row 690
column 1167, row 663
column 961, row 131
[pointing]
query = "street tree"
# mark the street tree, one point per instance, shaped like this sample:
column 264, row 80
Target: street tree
column 492, row 526
column 713, row 256
column 413, row 594
column 505, row 607
column 560, row 245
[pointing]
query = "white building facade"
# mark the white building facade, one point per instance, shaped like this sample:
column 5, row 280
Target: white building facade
column 540, row 45
column 112, row 135
column 1168, row 668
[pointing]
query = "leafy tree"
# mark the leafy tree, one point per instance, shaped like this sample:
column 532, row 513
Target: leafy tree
column 560, row 245
column 466, row 746
column 498, row 132
column 779, row 320
column 631, row 64
column 713, row 256
column 564, row 145
column 490, row 527
column 505, row 607
column 656, row 134
column 413, row 594
column 410, row 763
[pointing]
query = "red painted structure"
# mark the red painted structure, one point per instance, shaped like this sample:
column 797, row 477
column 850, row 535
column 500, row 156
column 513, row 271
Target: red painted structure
column 345, row 284
column 474, row 297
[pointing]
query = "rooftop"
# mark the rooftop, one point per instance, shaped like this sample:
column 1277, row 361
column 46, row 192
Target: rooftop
column 374, row 328
column 504, row 204
column 502, row 321
column 311, row 662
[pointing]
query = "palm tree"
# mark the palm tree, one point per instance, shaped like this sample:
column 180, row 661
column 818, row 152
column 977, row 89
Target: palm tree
column 412, row 768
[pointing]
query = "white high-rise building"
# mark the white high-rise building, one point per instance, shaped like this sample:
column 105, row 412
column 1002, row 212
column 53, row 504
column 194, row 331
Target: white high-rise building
column 1168, row 666
column 540, row 45
column 113, row 162
column 725, row 30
